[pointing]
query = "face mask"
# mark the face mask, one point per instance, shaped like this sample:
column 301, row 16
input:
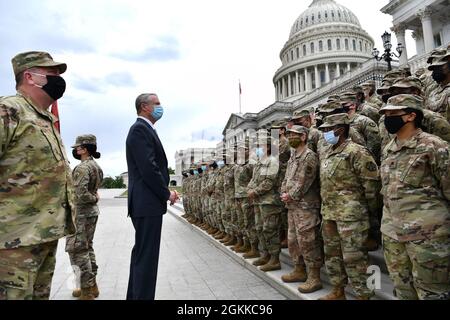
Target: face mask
column 295, row 142
column 330, row 138
column 393, row 124
column 438, row 75
column 196, row 172
column 259, row 152
column 204, row 168
column 75, row 155
column 221, row 164
column 55, row 87
column 158, row 112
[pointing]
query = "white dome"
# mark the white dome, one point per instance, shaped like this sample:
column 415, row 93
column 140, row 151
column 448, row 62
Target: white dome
column 323, row 11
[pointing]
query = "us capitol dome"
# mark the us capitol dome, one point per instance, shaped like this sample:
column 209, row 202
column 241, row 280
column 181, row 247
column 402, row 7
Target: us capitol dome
column 325, row 42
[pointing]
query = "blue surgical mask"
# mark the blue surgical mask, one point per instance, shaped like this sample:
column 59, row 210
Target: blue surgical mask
column 330, row 137
column 196, row 172
column 158, row 112
column 221, row 164
column 259, row 152
column 204, row 168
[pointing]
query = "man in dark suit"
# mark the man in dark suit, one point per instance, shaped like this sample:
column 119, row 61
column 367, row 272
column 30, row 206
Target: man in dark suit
column 148, row 193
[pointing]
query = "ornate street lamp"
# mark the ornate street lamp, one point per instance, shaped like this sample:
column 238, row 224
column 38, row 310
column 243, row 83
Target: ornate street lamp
column 387, row 55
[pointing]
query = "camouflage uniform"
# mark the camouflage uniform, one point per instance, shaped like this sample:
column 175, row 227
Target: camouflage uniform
column 302, row 184
column 284, row 156
column 219, row 195
column 416, row 217
column 230, row 205
column 349, row 185
column 87, row 177
column 438, row 99
column 36, row 198
column 373, row 100
column 242, row 176
column 217, row 223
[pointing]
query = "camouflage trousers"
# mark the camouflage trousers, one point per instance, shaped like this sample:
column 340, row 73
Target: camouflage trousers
column 81, row 252
column 198, row 209
column 240, row 218
column 267, row 223
column 346, row 255
column 26, row 272
column 218, row 209
column 284, row 224
column 226, row 218
column 245, row 209
column 420, row 269
column 205, row 212
column 304, row 241
column 230, row 206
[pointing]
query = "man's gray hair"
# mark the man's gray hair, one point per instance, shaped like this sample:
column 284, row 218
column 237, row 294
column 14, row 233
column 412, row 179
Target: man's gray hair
column 143, row 98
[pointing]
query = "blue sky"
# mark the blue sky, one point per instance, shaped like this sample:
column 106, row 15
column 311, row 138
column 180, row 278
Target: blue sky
column 191, row 53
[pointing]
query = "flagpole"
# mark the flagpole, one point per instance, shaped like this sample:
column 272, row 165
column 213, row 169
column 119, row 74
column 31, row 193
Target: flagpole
column 240, row 93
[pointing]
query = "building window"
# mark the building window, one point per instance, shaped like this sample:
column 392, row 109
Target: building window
column 312, row 47
column 292, row 85
column 360, row 46
column 437, row 40
column 365, row 46
column 346, row 44
column 298, row 52
column 326, row 14
column 322, row 76
column 304, row 50
column 320, row 46
column 320, row 16
column 329, row 44
column 312, row 18
column 306, row 20
column 339, row 14
column 292, row 55
column 338, row 44
column 354, row 44
column 332, row 14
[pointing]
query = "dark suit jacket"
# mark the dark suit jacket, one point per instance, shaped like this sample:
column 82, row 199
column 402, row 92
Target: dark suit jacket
column 148, row 175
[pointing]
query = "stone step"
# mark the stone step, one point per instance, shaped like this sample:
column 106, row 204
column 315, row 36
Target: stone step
column 274, row 277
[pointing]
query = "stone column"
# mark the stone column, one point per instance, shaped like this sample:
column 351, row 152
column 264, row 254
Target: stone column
column 283, row 94
column 289, row 85
column 348, row 66
column 338, row 70
column 310, row 81
column 317, row 76
column 400, row 35
column 327, row 73
column 427, row 27
column 306, row 80
column 302, row 83
column 276, row 91
column 296, row 88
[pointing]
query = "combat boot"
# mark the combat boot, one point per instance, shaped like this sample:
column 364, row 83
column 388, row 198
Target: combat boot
column 253, row 253
column 212, row 231
column 313, row 283
column 262, row 261
column 218, row 235
column 238, row 245
column 225, row 239
column 284, row 243
column 371, row 244
column 94, row 290
column 231, row 242
column 338, row 293
column 297, row 275
column 245, row 248
column 76, row 293
column 86, row 294
column 273, row 264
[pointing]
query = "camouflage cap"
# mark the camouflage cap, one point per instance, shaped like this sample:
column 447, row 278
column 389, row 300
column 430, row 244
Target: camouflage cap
column 436, row 53
column 442, row 60
column 408, row 82
column 330, row 107
column 300, row 114
column 298, row 129
column 369, row 84
column 403, row 101
column 85, row 139
column 348, row 96
column 357, row 89
column 333, row 98
column 334, row 120
column 278, row 124
column 26, row 60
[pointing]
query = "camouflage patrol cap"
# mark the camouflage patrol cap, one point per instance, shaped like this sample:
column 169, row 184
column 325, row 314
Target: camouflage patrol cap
column 403, row 101
column 369, row 84
column 436, row 53
column 330, row 107
column 26, row 60
column 85, row 139
column 388, row 80
column 278, row 124
column 348, row 96
column 408, row 82
column 442, row 60
column 298, row 129
column 300, row 114
column 335, row 120
column 357, row 89
column 333, row 98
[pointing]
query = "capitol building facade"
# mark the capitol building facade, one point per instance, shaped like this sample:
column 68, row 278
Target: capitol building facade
column 328, row 52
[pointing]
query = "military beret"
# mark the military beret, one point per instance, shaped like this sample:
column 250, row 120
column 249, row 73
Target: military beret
column 404, row 101
column 334, row 120
column 298, row 129
column 84, row 140
column 26, row 60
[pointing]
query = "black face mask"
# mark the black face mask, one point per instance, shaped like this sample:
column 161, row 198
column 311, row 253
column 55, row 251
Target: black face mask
column 438, row 75
column 75, row 155
column 55, row 87
column 200, row 170
column 394, row 123
column 386, row 97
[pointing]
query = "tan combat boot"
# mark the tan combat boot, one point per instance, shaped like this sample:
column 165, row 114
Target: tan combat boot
column 218, row 235
column 338, row 293
column 313, row 283
column 94, row 290
column 273, row 264
column 238, row 245
column 86, row 294
column 297, row 275
column 262, row 261
column 245, row 248
column 76, row 293
column 253, row 253
column 231, row 242
column 225, row 239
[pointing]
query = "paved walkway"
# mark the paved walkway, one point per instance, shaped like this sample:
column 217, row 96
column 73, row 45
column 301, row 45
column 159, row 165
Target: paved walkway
column 190, row 268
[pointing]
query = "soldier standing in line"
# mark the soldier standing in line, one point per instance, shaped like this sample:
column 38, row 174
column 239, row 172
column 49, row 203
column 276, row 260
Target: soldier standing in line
column 303, row 118
column 220, row 197
column 87, row 178
column 235, row 238
column 370, row 96
column 349, row 188
column 439, row 99
column 36, row 202
column 300, row 191
column 184, row 191
column 415, row 175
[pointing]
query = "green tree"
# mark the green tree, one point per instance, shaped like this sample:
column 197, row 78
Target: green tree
column 111, row 183
column 171, row 171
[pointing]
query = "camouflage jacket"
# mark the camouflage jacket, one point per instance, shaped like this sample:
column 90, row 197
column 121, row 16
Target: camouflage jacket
column 354, row 135
column 370, row 111
column 284, row 156
column 219, row 185
column 264, row 182
column 369, row 130
column 302, row 180
column 229, row 182
column 242, row 177
column 375, row 101
column 314, row 137
column 204, row 184
column 438, row 100
column 87, row 177
column 416, row 188
column 349, row 183
column 36, row 188
column 211, row 184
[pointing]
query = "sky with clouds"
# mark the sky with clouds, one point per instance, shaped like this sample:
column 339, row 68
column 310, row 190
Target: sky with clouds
column 191, row 53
